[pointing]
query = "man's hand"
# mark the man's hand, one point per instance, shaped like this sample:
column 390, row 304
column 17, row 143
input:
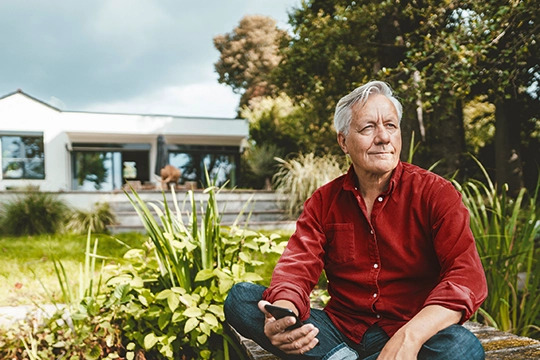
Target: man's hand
column 296, row 341
column 407, row 341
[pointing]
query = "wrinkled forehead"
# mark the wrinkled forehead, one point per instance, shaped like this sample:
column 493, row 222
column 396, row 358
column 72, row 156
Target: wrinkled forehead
column 375, row 107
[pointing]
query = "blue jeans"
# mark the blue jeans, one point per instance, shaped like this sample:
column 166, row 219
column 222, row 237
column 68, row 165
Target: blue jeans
column 243, row 314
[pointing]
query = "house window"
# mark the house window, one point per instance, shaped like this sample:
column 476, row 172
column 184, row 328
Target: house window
column 106, row 167
column 192, row 160
column 22, row 155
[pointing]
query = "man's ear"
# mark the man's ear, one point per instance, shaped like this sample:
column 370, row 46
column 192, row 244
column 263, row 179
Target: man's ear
column 341, row 141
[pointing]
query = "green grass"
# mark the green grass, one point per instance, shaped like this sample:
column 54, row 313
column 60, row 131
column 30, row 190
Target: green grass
column 25, row 261
column 22, row 257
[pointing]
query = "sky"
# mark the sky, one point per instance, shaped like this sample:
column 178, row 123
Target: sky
column 124, row 56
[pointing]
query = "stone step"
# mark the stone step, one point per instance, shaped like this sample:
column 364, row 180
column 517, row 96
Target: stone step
column 498, row 345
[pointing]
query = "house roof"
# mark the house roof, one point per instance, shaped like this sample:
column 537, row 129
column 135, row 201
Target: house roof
column 20, row 91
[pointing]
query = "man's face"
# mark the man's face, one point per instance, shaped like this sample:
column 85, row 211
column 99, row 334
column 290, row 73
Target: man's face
column 374, row 138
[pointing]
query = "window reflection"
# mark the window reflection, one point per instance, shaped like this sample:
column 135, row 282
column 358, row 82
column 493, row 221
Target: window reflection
column 22, row 157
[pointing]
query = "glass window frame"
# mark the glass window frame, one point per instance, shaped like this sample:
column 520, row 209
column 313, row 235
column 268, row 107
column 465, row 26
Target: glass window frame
column 34, row 153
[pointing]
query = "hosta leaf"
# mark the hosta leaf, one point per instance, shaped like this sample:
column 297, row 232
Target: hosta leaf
column 204, row 275
column 149, row 341
column 190, row 325
column 193, row 312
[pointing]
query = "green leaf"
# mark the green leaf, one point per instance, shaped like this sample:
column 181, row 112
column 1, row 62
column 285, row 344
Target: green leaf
column 149, row 341
column 244, row 257
column 210, row 319
column 164, row 294
column 217, row 310
column 205, row 328
column 164, row 319
column 173, row 300
column 190, row 325
column 225, row 285
column 204, row 275
column 251, row 277
column 193, row 312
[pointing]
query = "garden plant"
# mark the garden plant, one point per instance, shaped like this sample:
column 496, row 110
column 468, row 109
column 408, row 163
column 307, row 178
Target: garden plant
column 163, row 301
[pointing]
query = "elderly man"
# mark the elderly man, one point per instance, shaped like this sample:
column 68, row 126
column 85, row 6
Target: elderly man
column 394, row 240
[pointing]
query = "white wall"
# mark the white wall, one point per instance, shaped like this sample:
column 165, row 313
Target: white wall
column 19, row 112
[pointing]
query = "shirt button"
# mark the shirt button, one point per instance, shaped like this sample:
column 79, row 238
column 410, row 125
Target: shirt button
column 371, row 231
column 378, row 316
column 375, row 266
column 380, row 198
column 375, row 295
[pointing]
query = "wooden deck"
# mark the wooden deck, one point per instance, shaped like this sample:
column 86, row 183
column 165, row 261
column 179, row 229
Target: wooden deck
column 498, row 345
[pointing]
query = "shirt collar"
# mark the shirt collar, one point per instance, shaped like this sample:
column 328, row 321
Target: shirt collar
column 350, row 179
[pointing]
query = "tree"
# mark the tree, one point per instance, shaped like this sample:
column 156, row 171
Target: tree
column 338, row 45
column 482, row 49
column 247, row 55
column 438, row 56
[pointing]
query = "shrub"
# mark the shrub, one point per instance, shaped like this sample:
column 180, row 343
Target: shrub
column 298, row 178
column 505, row 230
column 95, row 220
column 33, row 213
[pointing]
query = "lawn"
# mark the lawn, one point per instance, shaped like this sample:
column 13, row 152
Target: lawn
column 26, row 266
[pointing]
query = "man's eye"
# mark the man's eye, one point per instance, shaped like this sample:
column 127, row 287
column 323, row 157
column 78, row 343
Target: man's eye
column 367, row 128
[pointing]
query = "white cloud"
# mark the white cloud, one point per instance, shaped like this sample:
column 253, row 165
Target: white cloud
column 202, row 99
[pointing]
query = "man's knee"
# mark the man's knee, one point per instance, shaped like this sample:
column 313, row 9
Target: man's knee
column 454, row 342
column 241, row 300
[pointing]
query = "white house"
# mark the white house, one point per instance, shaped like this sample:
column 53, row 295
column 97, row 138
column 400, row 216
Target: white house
column 72, row 150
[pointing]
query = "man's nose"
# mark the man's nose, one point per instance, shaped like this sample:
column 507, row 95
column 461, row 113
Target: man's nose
column 382, row 135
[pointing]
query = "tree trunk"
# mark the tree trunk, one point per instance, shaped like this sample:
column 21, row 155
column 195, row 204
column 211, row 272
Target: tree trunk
column 507, row 136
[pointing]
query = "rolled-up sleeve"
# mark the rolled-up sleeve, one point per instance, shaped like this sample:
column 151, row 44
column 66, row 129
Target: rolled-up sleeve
column 462, row 286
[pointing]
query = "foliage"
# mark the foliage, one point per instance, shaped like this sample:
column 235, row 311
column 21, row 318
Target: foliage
column 275, row 121
column 505, row 230
column 261, row 162
column 298, row 178
column 178, row 285
column 82, row 325
column 96, row 220
column 164, row 301
column 247, row 55
column 479, row 122
column 33, row 213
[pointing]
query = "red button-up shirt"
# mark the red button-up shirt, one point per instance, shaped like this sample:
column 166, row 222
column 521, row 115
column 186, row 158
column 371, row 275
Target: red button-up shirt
column 417, row 249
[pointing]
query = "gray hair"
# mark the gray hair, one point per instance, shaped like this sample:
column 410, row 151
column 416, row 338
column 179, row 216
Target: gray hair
column 343, row 114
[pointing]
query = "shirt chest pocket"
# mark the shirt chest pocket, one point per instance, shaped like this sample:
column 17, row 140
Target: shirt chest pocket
column 340, row 246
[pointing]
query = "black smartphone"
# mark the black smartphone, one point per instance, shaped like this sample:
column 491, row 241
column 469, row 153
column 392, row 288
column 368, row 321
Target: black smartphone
column 280, row 312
